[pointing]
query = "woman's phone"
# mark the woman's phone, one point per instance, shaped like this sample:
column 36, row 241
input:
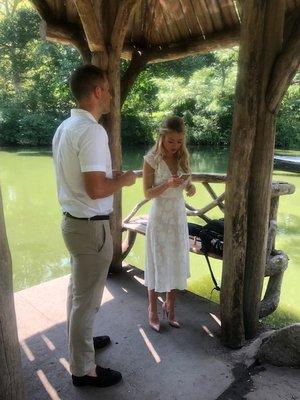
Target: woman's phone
column 184, row 176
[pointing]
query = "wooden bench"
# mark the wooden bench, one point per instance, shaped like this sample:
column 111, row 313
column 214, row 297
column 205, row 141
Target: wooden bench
column 277, row 261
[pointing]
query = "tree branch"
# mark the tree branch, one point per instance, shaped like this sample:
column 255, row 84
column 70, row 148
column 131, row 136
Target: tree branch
column 194, row 46
column 284, row 69
column 90, row 25
column 66, row 33
column 136, row 66
column 125, row 11
column 42, row 8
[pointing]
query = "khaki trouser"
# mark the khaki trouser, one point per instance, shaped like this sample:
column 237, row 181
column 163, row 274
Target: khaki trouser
column 90, row 247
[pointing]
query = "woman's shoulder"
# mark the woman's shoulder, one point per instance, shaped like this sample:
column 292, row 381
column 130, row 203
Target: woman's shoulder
column 151, row 158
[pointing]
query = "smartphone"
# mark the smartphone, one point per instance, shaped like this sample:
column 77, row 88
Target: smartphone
column 184, row 176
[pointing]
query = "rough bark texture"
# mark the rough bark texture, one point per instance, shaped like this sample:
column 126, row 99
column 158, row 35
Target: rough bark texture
column 282, row 347
column 109, row 60
column 11, row 381
column 249, row 173
column 259, row 197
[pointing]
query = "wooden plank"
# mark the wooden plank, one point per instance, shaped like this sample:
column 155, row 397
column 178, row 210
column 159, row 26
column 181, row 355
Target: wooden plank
column 173, row 34
column 153, row 33
column 71, row 11
column 198, row 11
column 190, row 19
column 215, row 14
column 234, row 13
column 91, row 26
column 173, row 13
column 208, row 25
column 228, row 13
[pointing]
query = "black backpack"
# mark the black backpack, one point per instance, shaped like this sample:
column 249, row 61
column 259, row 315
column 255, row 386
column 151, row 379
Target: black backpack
column 212, row 240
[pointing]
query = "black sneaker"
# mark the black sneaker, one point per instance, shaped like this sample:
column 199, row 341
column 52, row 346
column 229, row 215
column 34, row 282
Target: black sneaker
column 105, row 377
column 101, row 341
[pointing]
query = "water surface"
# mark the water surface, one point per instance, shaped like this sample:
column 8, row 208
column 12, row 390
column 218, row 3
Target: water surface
column 33, row 223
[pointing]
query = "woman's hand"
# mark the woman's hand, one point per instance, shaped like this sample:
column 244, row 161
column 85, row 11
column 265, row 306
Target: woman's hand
column 174, row 182
column 190, row 190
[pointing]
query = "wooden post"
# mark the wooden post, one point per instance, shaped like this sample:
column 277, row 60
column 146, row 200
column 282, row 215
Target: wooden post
column 249, row 172
column 112, row 123
column 114, row 30
column 11, row 381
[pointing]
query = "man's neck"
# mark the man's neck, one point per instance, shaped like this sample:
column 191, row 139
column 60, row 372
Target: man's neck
column 92, row 110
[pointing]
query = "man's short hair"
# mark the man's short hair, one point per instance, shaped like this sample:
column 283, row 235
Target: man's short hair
column 84, row 79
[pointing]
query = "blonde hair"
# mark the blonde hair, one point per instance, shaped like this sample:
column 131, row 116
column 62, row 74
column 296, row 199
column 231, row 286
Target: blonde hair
column 170, row 125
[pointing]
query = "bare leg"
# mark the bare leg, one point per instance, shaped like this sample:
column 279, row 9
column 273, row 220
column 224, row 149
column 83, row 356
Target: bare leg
column 170, row 308
column 153, row 317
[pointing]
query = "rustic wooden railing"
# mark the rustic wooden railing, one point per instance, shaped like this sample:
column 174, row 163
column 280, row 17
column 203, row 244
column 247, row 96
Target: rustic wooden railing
column 276, row 260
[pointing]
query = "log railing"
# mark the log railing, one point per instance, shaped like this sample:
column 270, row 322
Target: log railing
column 276, row 260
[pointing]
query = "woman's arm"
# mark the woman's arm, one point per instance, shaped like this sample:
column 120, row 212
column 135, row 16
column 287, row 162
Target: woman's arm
column 151, row 192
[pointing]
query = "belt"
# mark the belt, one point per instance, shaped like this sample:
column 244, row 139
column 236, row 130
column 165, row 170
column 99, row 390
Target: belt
column 94, row 218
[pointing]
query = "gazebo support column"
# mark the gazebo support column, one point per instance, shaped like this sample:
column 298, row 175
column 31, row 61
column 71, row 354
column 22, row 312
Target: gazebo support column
column 112, row 123
column 109, row 59
column 11, row 381
column 249, row 172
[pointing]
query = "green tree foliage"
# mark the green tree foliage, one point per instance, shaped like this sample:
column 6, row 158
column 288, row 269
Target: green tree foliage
column 34, row 94
column 35, row 98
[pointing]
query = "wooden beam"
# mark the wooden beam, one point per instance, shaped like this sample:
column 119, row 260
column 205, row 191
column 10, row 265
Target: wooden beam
column 286, row 66
column 91, row 26
column 66, row 33
column 193, row 46
column 42, row 8
column 137, row 65
column 124, row 13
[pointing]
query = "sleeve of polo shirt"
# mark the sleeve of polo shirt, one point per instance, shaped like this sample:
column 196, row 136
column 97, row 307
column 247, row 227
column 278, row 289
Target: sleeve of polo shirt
column 93, row 149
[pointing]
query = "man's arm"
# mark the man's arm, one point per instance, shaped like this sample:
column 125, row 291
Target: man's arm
column 98, row 186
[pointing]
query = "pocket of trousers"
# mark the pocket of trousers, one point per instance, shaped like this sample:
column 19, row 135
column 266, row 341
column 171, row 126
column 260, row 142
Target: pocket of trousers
column 101, row 238
column 77, row 236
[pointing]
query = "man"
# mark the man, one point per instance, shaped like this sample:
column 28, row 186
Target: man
column 85, row 185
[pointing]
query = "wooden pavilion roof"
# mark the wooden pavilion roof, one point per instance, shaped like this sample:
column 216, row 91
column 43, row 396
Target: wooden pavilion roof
column 162, row 29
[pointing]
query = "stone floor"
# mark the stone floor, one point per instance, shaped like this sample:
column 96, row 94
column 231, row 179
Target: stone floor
column 188, row 363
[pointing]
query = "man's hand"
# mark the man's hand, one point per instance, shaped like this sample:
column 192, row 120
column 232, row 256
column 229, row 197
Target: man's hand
column 117, row 174
column 128, row 178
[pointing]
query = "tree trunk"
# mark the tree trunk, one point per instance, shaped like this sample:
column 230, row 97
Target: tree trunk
column 112, row 123
column 249, row 172
column 11, row 381
column 259, row 198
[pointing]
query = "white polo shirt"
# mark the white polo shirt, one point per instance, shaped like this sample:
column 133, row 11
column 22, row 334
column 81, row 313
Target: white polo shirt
column 80, row 144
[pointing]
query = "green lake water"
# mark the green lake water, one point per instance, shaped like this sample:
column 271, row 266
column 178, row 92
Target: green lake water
column 33, row 218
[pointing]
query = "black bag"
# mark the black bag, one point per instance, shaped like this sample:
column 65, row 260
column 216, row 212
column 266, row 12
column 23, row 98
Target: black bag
column 212, row 239
column 211, row 236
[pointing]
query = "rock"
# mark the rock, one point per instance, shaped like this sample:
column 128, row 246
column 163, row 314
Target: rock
column 247, row 354
column 282, row 347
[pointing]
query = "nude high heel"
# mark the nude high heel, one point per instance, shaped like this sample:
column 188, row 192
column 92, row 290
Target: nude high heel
column 172, row 322
column 154, row 325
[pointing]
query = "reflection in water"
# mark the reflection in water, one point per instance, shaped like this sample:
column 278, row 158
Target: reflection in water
column 33, row 222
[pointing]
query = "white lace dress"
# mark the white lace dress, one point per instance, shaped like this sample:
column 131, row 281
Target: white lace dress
column 167, row 239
